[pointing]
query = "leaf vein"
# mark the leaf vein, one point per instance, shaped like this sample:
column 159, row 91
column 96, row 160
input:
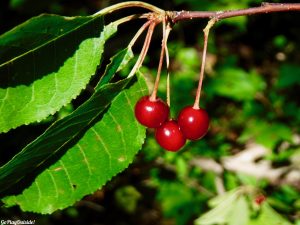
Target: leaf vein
column 87, row 165
column 104, row 146
column 53, row 181
column 121, row 132
column 39, row 193
column 5, row 97
column 67, row 174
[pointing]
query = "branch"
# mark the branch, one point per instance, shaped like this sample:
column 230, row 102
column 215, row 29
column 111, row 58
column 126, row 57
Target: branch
column 218, row 15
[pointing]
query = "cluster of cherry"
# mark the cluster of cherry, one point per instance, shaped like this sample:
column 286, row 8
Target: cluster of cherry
column 192, row 122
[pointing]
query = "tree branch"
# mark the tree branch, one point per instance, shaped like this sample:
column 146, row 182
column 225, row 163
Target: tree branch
column 264, row 8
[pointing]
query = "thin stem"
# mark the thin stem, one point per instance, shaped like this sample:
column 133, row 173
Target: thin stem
column 161, row 59
column 144, row 49
column 138, row 33
column 218, row 15
column 168, row 91
column 147, row 43
column 129, row 4
column 167, row 32
column 129, row 18
column 201, row 76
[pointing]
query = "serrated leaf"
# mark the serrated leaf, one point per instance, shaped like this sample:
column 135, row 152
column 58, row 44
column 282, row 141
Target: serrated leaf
column 106, row 149
column 117, row 63
column 45, row 63
column 56, row 140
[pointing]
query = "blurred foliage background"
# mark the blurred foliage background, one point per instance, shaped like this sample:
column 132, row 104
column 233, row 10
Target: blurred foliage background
column 251, row 91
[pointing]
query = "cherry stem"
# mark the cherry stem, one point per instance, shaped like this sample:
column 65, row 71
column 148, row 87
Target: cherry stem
column 129, row 4
column 161, row 59
column 145, row 48
column 138, row 33
column 209, row 25
column 167, row 31
column 154, row 92
column 128, row 18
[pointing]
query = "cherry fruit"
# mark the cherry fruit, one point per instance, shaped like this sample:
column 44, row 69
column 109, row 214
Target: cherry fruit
column 169, row 136
column 150, row 113
column 193, row 122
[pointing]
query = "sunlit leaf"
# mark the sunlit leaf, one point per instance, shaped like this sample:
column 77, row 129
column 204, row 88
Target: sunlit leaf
column 45, row 63
column 240, row 212
column 105, row 149
column 60, row 136
column 269, row 216
column 221, row 212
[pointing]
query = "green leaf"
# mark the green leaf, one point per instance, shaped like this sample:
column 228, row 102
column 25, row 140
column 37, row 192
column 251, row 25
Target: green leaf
column 232, row 194
column 230, row 208
column 45, row 63
column 127, row 198
column 56, row 140
column 240, row 212
column 289, row 75
column 105, row 149
column 180, row 208
column 265, row 133
column 269, row 216
column 117, row 63
column 222, row 211
column 236, row 84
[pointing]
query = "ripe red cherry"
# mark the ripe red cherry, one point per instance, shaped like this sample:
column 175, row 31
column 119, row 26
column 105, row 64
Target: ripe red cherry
column 169, row 136
column 150, row 113
column 193, row 122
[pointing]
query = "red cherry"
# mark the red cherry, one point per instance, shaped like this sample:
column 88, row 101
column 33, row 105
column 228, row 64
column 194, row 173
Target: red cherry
column 260, row 199
column 193, row 122
column 169, row 136
column 150, row 113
